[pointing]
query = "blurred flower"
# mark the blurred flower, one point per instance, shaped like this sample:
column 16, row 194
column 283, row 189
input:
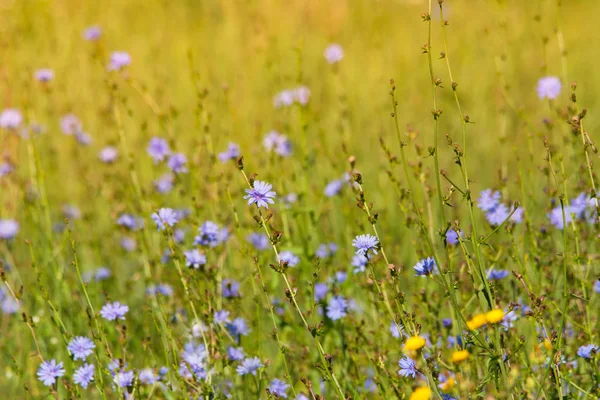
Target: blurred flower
column 113, row 311
column 128, row 243
column 326, row 250
column 359, row 262
column 290, row 258
column 164, row 184
column 49, row 371
column 396, row 329
column 301, row 95
column 44, row 75
column 147, row 376
column 497, row 274
column 556, row 217
column 70, row 124
column 84, row 375
column 459, row 355
column 158, row 149
column 497, row 215
column 261, row 194
column 108, row 154
column 494, row 316
column 548, row 87
column 586, row 351
column 414, row 343
column 320, row 290
column 249, row 366
column 221, row 317
column 447, row 322
column 334, row 187
column 365, row 243
column 210, row 234
column 232, row 153
column 452, row 237
column 230, row 288
column 337, row 308
column 130, row 222
column 476, row 322
column 8, row 228
column 421, row 393
column 177, row 163
column 280, row 144
column 10, row 118
column 5, row 169
column 81, row 347
column 238, row 327
column 334, row 53
column 119, row 60
column 279, row 388
column 165, row 217
column 194, row 258
column 597, row 286
column 235, row 353
column 124, row 378
column 260, row 241
column 92, row 33
column 488, row 200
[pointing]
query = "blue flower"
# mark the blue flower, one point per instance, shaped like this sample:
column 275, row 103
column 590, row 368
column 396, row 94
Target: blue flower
column 394, row 329
column 548, row 87
column 586, row 351
column 597, row 286
column 128, row 243
column 326, row 250
column 497, row 215
column 235, row 353
column 80, row 347
column 238, row 327
column 209, row 234
column 158, row 149
column 164, row 184
column 130, row 222
column 447, row 397
column 177, row 163
column 165, row 217
column 232, row 153
column 334, row 53
column 556, row 217
column 113, row 311
column 447, row 322
column 124, row 378
column 49, row 371
column 230, row 288
column 337, row 308
column 260, row 241
column 249, row 366
column 290, row 258
column 84, row 375
column 488, row 200
column 334, row 187
column 408, row 367
column 359, row 262
column 147, row 376
column 8, row 228
column 517, row 216
column 261, row 194
column 194, row 258
column 320, row 291
column 497, row 274
column 220, row 317
column 10, row 118
column 279, row 388
column 119, row 60
column 425, row 267
column 452, row 237
column 280, row 144
column 365, row 243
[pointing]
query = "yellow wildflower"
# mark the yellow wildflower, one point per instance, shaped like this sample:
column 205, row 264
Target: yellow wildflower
column 422, row 393
column 449, row 384
column 494, row 316
column 414, row 343
column 460, row 355
column 476, row 322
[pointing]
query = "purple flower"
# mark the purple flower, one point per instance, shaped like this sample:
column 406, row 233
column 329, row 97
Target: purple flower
column 280, row 144
column 232, row 153
column 221, row 317
column 119, row 60
column 452, row 237
column 235, row 353
column 83, row 138
column 230, row 288
column 365, row 243
column 359, row 262
column 194, row 258
column 302, row 95
column 334, row 187
column 113, row 311
column 5, row 169
column 261, row 194
column 556, row 217
column 128, row 243
column 334, row 53
column 497, row 274
column 249, row 366
column 177, row 162
column 326, row 250
column 290, row 258
column 158, row 149
column 337, row 308
column 10, row 118
column 70, row 124
column 92, row 33
column 108, row 154
column 285, row 98
column 84, row 375
column 165, row 217
column 124, row 378
column 8, row 228
column 408, row 367
column 210, row 234
column 488, row 200
column 426, row 267
column 586, row 351
column 320, row 291
column 497, row 215
column 517, row 216
column 260, row 241
column 147, row 376
column 44, row 75
column 279, row 388
column 396, row 329
column 597, row 286
column 164, row 184
column 548, row 87
column 81, row 347
column 130, row 222
column 49, row 371
column 238, row 327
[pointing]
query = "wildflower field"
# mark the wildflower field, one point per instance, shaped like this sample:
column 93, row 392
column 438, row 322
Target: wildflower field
column 264, row 199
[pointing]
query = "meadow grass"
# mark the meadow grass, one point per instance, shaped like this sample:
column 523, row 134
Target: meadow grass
column 433, row 228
